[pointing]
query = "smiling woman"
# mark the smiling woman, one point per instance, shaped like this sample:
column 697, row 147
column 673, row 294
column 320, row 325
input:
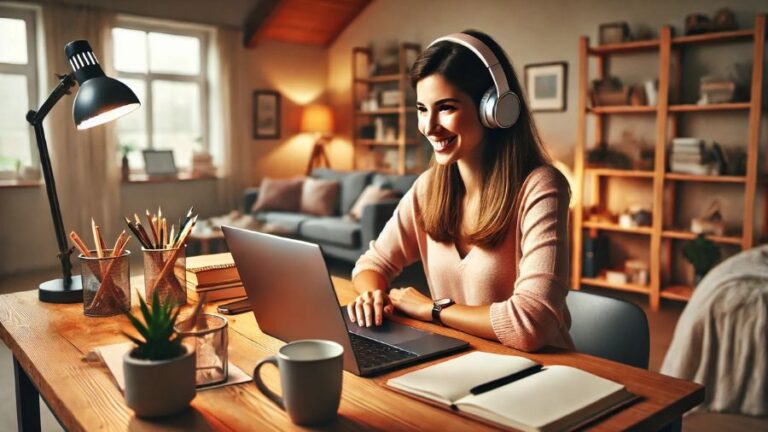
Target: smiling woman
column 488, row 220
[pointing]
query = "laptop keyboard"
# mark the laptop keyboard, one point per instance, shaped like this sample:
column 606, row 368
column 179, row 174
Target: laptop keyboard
column 371, row 353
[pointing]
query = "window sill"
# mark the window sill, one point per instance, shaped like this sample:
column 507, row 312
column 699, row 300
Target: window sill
column 180, row 177
column 20, row 183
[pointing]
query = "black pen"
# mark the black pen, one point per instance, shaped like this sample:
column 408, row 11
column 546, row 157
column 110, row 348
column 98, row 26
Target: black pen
column 491, row 385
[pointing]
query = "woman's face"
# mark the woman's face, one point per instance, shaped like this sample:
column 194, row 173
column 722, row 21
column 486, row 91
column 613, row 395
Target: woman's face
column 448, row 118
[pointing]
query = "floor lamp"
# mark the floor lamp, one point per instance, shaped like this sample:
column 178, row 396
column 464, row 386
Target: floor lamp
column 318, row 119
column 100, row 99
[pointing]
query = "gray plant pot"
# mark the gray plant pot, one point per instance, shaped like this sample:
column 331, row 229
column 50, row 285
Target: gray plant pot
column 158, row 388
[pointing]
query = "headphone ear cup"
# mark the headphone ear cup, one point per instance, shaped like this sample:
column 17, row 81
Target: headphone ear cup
column 487, row 109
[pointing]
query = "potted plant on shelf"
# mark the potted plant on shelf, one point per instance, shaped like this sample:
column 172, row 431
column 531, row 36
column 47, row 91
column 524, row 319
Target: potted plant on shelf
column 702, row 253
column 159, row 372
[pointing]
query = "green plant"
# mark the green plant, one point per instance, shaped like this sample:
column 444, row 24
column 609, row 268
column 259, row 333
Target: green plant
column 161, row 342
column 702, row 253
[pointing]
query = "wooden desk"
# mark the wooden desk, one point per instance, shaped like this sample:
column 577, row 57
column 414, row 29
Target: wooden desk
column 49, row 344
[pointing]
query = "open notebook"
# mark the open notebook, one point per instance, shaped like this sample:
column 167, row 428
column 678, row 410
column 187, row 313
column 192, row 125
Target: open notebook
column 550, row 398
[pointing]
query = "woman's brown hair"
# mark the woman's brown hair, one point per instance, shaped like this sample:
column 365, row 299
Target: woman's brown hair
column 510, row 154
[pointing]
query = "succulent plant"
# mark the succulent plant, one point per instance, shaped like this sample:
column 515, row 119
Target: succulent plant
column 161, row 342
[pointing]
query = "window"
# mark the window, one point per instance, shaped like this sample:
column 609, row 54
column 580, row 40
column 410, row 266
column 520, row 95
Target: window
column 18, row 89
column 167, row 71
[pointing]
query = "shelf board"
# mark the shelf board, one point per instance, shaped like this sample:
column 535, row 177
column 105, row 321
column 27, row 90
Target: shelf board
column 386, row 111
column 731, row 106
column 677, row 292
column 603, row 226
column 601, row 282
column 714, row 37
column 647, row 45
column 373, row 142
column 379, row 79
column 704, row 178
column 614, row 172
column 623, row 109
column 687, row 235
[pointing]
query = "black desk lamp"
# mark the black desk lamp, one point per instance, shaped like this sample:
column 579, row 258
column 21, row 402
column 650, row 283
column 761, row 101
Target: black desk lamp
column 100, row 99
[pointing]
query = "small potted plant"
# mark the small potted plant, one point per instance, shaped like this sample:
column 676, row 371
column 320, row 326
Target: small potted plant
column 702, row 253
column 159, row 372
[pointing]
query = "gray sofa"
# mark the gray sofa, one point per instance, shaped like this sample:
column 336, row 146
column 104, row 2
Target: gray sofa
column 339, row 235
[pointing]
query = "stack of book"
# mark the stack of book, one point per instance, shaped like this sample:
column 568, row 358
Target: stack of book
column 215, row 275
column 689, row 156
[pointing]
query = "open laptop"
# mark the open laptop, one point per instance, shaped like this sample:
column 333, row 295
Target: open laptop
column 292, row 297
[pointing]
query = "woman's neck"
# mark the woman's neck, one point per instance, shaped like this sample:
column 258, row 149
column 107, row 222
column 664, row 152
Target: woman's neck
column 471, row 173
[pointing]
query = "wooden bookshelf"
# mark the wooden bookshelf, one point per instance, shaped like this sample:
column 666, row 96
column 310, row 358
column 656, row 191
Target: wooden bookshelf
column 664, row 203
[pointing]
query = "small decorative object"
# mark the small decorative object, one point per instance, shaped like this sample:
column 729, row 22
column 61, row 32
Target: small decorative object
column 202, row 165
column 546, row 86
column 697, row 24
column 616, row 277
column 609, row 91
column 125, row 168
column 390, row 98
column 640, row 215
column 637, row 271
column 637, row 95
column 702, row 253
column 159, row 372
column 723, row 20
column 266, row 114
column 711, row 222
column 613, row 33
column 603, row 157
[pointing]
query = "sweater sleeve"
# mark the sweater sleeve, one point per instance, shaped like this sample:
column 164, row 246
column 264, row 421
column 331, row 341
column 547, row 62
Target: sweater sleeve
column 397, row 244
column 536, row 315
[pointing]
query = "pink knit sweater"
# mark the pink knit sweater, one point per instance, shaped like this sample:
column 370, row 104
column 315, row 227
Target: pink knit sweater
column 524, row 280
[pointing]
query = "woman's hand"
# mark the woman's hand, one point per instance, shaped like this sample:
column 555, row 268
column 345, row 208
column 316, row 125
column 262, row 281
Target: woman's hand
column 411, row 302
column 369, row 308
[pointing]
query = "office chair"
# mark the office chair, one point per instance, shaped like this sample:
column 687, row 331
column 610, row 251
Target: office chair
column 609, row 328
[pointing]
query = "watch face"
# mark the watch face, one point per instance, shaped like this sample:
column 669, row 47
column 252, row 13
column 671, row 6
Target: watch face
column 443, row 302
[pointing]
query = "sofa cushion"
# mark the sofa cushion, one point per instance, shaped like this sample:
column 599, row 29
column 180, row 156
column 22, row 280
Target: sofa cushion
column 372, row 195
column 352, row 184
column 285, row 222
column 320, row 197
column 279, row 194
column 336, row 230
column 400, row 183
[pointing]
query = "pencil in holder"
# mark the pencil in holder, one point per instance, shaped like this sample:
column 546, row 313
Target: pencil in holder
column 165, row 271
column 106, row 284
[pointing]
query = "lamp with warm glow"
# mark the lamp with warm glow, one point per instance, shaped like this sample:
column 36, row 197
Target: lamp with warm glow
column 318, row 119
column 100, row 99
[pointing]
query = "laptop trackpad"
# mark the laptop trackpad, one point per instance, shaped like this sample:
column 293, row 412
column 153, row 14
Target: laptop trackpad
column 389, row 332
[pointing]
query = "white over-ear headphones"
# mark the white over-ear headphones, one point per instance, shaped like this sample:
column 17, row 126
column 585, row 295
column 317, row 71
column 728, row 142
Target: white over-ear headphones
column 499, row 107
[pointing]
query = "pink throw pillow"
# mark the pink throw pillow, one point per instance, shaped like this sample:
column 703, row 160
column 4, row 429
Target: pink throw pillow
column 320, row 197
column 279, row 194
column 371, row 195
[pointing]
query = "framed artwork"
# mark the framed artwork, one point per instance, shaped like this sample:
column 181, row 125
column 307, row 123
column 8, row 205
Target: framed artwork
column 266, row 114
column 545, row 84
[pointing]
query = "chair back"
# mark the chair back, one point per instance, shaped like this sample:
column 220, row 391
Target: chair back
column 609, row 328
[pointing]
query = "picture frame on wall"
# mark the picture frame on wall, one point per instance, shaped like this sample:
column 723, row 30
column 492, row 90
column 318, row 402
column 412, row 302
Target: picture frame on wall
column 266, row 114
column 546, row 86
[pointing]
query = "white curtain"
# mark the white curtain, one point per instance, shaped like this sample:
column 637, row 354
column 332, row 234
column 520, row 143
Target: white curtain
column 230, row 110
column 84, row 161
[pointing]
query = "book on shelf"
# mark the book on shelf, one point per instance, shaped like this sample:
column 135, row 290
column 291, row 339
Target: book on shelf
column 704, row 169
column 514, row 392
column 224, row 293
column 210, row 270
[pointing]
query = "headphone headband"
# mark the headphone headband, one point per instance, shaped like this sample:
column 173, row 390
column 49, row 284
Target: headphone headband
column 485, row 54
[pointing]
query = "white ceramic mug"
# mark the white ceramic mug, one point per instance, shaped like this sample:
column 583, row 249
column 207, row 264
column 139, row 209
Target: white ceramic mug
column 311, row 378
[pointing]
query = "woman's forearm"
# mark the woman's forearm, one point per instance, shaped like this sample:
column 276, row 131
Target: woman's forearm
column 369, row 280
column 475, row 320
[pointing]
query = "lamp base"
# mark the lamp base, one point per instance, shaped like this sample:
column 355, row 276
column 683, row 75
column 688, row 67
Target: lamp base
column 53, row 291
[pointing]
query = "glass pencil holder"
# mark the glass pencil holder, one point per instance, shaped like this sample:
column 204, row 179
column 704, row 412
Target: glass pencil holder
column 106, row 284
column 208, row 338
column 165, row 271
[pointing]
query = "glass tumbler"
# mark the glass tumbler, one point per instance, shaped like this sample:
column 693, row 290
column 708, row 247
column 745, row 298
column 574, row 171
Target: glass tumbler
column 208, row 337
column 165, row 271
column 106, row 284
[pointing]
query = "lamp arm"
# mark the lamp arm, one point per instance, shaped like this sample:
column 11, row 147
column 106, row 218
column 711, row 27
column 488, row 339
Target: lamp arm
column 35, row 118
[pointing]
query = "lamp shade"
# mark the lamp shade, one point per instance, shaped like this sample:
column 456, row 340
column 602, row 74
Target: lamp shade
column 100, row 98
column 317, row 119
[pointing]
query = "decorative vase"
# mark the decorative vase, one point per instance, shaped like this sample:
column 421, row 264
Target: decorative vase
column 158, row 388
column 125, row 168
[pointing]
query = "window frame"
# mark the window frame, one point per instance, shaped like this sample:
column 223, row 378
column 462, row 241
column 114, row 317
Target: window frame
column 201, row 78
column 29, row 16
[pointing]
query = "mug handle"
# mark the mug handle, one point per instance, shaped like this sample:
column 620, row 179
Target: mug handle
column 260, row 384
